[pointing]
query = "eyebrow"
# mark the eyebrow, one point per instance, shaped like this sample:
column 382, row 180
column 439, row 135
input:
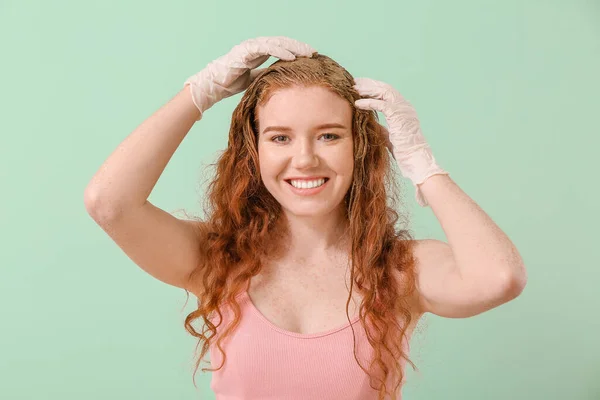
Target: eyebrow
column 288, row 129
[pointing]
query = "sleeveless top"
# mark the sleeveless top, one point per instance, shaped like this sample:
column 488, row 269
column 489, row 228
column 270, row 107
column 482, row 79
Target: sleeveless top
column 269, row 363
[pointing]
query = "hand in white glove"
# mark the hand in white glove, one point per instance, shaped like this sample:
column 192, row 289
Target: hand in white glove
column 406, row 141
column 233, row 72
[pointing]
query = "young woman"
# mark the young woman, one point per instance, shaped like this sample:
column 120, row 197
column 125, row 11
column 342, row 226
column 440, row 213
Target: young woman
column 307, row 286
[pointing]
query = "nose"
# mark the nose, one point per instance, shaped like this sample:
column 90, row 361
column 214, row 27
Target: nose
column 305, row 156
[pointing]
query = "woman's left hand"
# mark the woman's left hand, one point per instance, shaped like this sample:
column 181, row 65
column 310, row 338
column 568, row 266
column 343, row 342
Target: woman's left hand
column 405, row 139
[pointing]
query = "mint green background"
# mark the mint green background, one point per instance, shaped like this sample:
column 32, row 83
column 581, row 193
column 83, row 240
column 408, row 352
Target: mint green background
column 507, row 95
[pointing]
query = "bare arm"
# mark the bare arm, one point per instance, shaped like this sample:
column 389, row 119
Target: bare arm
column 127, row 177
column 164, row 246
column 116, row 198
column 479, row 269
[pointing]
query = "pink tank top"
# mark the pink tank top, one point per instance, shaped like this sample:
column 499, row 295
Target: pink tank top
column 267, row 362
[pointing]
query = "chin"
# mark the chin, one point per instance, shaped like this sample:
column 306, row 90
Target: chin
column 307, row 214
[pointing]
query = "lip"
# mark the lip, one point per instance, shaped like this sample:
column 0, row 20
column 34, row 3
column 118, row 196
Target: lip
column 307, row 192
column 305, row 178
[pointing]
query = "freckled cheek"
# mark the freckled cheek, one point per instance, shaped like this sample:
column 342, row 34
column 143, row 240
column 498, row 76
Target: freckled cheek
column 342, row 161
column 271, row 166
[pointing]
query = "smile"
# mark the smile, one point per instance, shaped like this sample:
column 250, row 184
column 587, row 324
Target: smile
column 307, row 191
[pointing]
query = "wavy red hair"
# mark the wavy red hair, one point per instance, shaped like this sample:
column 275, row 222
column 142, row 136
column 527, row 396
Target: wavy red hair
column 243, row 218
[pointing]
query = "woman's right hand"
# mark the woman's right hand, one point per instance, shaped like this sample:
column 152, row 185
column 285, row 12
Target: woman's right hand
column 232, row 73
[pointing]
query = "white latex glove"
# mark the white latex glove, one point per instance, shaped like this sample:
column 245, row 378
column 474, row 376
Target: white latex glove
column 406, row 141
column 233, row 72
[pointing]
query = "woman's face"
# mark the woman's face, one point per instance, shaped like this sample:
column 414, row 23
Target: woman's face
column 294, row 142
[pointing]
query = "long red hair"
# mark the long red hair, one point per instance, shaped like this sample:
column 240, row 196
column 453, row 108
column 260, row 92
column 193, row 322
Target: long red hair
column 242, row 229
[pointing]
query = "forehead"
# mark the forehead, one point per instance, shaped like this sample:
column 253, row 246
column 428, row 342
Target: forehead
column 304, row 105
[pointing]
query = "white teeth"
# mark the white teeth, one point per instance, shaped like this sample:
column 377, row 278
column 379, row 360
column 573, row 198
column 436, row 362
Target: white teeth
column 307, row 184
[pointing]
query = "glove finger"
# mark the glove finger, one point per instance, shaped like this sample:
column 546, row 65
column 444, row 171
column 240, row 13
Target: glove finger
column 278, row 46
column 377, row 89
column 386, row 134
column 252, row 53
column 255, row 54
column 255, row 73
column 255, row 60
column 369, row 87
column 279, row 52
column 392, row 112
column 372, row 104
column 294, row 46
column 378, row 105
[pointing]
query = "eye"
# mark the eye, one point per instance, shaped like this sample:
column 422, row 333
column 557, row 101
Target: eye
column 273, row 139
column 331, row 134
